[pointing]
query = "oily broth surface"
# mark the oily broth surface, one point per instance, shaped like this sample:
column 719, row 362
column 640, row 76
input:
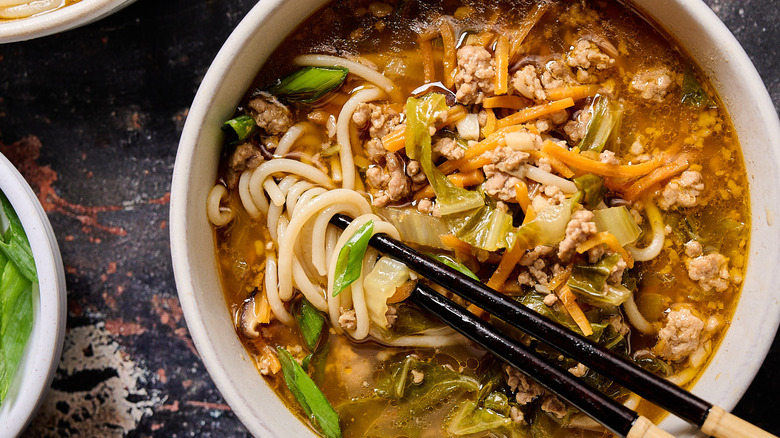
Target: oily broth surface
column 707, row 134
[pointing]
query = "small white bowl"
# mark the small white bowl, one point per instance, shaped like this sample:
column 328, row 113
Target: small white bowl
column 58, row 20
column 690, row 22
column 42, row 351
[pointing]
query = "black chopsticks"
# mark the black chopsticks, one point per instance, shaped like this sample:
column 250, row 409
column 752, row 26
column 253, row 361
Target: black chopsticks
column 711, row 419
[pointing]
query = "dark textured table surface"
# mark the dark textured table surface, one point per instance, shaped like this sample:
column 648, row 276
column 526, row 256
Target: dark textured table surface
column 92, row 118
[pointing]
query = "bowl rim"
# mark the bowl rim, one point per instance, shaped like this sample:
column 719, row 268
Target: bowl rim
column 209, row 90
column 60, row 20
column 44, row 346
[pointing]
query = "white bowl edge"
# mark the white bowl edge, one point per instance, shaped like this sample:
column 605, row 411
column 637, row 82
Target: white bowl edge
column 43, row 348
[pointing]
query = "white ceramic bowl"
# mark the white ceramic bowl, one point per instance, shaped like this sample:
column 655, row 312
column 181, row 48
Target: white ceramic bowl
column 692, row 24
column 42, row 351
column 59, row 20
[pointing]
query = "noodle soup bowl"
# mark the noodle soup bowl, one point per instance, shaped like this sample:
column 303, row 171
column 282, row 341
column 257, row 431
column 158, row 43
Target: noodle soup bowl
column 691, row 23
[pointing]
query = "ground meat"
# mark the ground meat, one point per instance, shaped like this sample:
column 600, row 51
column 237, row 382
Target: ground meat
column 448, row 148
column 711, row 271
column 391, row 181
column 554, row 405
column 527, row 83
column 575, row 129
column 526, row 389
column 652, row 84
column 680, row 336
column 608, row 157
column 616, row 275
column 507, row 159
column 516, row 415
column 549, row 123
column 246, row 156
column 270, row 114
column 682, row 191
column 579, row 228
column 375, row 150
column 417, row 377
column 693, row 248
column 380, row 119
column 547, row 197
column 380, row 10
column 391, row 315
column 475, row 73
column 579, row 370
column 348, row 319
column 619, row 325
column 588, row 58
column 550, row 299
column 555, row 74
column 500, row 185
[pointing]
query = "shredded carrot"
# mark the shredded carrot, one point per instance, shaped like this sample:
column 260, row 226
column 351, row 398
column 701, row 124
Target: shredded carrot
column 450, row 57
column 475, row 163
column 561, row 278
column 612, row 243
column 675, row 167
column 530, row 214
column 519, row 36
column 483, row 39
column 535, row 112
column 502, row 65
column 477, row 311
column 426, row 51
column 521, row 194
column 580, row 162
column 450, row 241
column 506, row 101
column 490, row 124
column 402, row 292
column 395, row 140
column 557, row 165
column 263, row 309
column 509, row 259
column 569, row 301
column 464, row 179
column 268, row 356
column 576, row 92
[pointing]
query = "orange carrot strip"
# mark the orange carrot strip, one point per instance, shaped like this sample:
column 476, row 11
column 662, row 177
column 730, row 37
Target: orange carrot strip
column 612, row 243
column 569, row 301
column 452, row 242
column 535, row 112
column 477, row 311
column 455, row 114
column 578, row 161
column 530, row 214
column 509, row 259
column 395, row 140
column 502, row 65
column 466, row 179
column 490, row 124
column 560, row 279
column 475, row 163
column 426, row 51
column 506, row 101
column 264, row 309
column 675, row 167
column 519, row 36
column 450, row 57
column 521, row 194
column 576, row 92
column 268, row 356
column 558, row 166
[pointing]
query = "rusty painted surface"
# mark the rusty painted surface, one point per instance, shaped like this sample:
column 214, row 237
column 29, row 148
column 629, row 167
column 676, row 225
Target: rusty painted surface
column 92, row 119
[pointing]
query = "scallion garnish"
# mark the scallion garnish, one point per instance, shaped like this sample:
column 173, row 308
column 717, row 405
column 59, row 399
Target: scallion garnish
column 309, row 83
column 350, row 261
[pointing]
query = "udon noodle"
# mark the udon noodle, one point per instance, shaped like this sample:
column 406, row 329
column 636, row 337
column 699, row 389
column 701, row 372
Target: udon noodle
column 564, row 153
column 17, row 9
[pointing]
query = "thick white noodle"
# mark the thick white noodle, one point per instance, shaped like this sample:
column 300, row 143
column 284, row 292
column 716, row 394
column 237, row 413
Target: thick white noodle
column 275, row 211
column 288, row 139
column 299, row 218
column 276, row 195
column 320, row 231
column 547, row 178
column 295, row 192
column 255, row 188
column 218, row 215
column 445, row 338
column 342, row 133
column 246, row 198
column 355, row 68
column 273, row 293
column 635, row 317
column 13, row 10
column 659, row 235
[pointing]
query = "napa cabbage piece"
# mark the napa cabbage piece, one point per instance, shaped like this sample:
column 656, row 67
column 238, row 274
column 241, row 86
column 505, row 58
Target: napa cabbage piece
column 604, row 124
column 380, row 284
column 416, row 227
column 420, row 116
column 592, row 188
column 485, row 228
column 589, row 283
column 693, row 93
column 549, row 225
column 619, row 222
column 471, row 418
